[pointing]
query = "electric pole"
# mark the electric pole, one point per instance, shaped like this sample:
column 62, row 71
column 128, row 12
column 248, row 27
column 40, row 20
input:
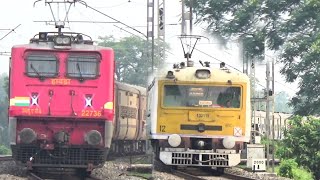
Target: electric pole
column 150, row 31
column 161, row 30
column 267, row 120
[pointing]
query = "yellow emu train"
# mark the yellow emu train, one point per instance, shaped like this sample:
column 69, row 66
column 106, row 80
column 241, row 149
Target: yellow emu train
column 199, row 116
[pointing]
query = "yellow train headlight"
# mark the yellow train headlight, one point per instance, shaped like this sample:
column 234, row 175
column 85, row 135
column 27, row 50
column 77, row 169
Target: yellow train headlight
column 229, row 142
column 170, row 75
column 203, row 73
column 174, row 140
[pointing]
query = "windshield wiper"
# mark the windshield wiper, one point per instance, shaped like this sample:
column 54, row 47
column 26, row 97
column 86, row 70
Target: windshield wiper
column 37, row 72
column 78, row 67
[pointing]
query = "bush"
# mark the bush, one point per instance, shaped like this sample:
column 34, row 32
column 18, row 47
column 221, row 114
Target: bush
column 301, row 143
column 289, row 168
column 286, row 168
column 4, row 150
column 302, row 174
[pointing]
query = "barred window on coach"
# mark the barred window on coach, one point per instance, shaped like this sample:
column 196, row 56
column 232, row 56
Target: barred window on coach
column 84, row 66
column 202, row 96
column 41, row 65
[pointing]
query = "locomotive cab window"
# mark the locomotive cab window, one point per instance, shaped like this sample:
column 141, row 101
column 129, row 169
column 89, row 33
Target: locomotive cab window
column 41, row 65
column 83, row 66
column 202, row 96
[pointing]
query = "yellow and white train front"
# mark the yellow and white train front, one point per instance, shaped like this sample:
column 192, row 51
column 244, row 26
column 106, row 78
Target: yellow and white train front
column 199, row 116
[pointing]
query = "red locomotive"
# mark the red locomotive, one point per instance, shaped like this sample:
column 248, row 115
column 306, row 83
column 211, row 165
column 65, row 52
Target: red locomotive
column 61, row 101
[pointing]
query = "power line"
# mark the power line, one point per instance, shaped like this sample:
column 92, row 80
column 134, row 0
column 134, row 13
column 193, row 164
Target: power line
column 285, row 86
column 5, row 53
column 213, row 57
column 98, row 22
column 126, row 31
column 106, row 7
column 112, row 18
column 12, row 30
column 141, row 38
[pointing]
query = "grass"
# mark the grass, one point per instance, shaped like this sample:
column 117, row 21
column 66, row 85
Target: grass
column 142, row 175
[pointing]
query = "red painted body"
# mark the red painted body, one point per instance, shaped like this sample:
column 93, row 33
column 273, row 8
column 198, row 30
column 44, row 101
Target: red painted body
column 102, row 88
column 56, row 107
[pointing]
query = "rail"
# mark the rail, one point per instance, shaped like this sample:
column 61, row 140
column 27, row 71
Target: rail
column 191, row 174
column 185, row 175
column 6, row 158
column 236, row 176
column 33, row 176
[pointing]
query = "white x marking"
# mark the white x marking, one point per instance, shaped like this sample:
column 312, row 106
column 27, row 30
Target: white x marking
column 88, row 101
column 34, row 100
column 237, row 131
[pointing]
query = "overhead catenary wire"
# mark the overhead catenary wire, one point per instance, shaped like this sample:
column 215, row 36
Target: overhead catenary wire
column 113, row 19
column 5, row 53
column 11, row 30
column 93, row 22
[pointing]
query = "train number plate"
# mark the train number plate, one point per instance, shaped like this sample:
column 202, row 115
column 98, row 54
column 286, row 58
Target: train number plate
column 90, row 113
column 200, row 116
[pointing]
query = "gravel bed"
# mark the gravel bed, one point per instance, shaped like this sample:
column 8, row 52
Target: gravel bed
column 9, row 170
column 115, row 170
column 164, row 176
column 157, row 175
column 260, row 175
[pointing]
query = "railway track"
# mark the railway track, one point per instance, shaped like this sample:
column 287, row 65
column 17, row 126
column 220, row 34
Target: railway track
column 191, row 174
column 234, row 176
column 6, row 158
column 185, row 175
column 35, row 176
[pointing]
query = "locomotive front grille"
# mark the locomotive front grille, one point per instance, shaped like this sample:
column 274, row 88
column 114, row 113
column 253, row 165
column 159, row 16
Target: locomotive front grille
column 74, row 156
column 173, row 156
column 200, row 159
column 181, row 158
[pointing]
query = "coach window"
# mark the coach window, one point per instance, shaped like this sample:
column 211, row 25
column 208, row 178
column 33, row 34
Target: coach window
column 83, row 66
column 41, row 65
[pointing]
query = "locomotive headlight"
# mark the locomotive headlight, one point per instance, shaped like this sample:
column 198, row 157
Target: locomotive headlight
column 66, row 40
column 93, row 137
column 27, row 135
column 229, row 142
column 203, row 73
column 170, row 75
column 174, row 140
column 201, row 143
column 62, row 40
column 58, row 40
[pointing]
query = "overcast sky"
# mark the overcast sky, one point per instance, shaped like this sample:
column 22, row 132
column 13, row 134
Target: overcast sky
column 130, row 12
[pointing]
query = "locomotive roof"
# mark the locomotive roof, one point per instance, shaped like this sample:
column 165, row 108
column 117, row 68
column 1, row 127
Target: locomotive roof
column 50, row 46
column 217, row 74
column 131, row 88
column 46, row 41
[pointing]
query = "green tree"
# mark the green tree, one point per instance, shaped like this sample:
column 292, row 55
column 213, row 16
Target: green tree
column 302, row 142
column 132, row 64
column 4, row 84
column 290, row 27
column 4, row 150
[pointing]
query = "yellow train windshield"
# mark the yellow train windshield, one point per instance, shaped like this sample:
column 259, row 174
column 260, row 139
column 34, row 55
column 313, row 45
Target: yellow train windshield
column 202, row 96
